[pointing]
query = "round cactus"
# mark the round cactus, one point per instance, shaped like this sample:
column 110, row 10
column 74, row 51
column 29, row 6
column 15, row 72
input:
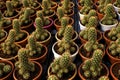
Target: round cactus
column 92, row 22
column 25, row 3
column 60, row 13
column 103, row 78
column 52, row 77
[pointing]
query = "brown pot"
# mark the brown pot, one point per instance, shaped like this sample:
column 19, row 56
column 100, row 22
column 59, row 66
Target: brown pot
column 83, row 78
column 71, row 14
column 47, row 41
column 100, row 15
column 79, row 6
column 8, row 76
column 75, row 36
column 117, row 64
column 71, row 22
column 72, row 76
column 37, row 76
column 85, row 57
column 12, row 59
column 99, row 37
column 41, row 58
column 24, row 41
column 111, row 58
column 107, row 40
column 3, row 39
column 7, row 28
column 54, row 7
column 29, row 28
column 38, row 7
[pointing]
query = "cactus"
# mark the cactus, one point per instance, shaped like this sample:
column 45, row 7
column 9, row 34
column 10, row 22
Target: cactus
column 34, row 47
column 82, row 2
column 2, row 33
column 33, row 3
column 114, row 48
column 9, row 47
column 45, row 20
column 16, row 3
column 2, row 4
column 52, row 77
column 103, row 78
column 64, row 23
column 10, row 11
column 117, row 3
column 5, row 69
column 24, row 66
column 110, row 15
column 67, row 40
column 46, row 8
column 60, row 13
column 92, row 67
column 25, row 3
column 62, row 65
column 40, row 34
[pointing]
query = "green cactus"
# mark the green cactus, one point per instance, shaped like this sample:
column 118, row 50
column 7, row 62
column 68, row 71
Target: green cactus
column 82, row 2
column 33, row 3
column 107, row 2
column 92, row 67
column 114, row 48
column 24, row 66
column 25, row 3
column 2, row 33
column 9, row 47
column 60, row 13
column 104, row 78
column 40, row 33
column 16, row 3
column 46, row 8
column 117, row 3
column 45, row 20
column 52, row 77
column 64, row 23
column 34, row 47
column 5, row 69
column 62, row 65
column 110, row 15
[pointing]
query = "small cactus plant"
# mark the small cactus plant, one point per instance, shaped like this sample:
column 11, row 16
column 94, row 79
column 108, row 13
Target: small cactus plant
column 117, row 3
column 66, row 44
column 25, row 18
column 103, row 78
column 110, row 15
column 9, row 47
column 10, row 11
column 47, row 8
column 24, row 66
column 19, row 33
column 52, row 77
column 88, row 5
column 16, row 3
column 45, row 20
column 62, row 65
column 5, row 69
column 114, row 48
column 60, row 13
column 34, row 47
column 92, row 67
column 33, row 3
column 40, row 33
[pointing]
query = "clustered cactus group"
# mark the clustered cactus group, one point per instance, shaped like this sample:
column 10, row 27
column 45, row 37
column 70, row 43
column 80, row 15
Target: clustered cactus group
column 8, row 46
column 88, row 5
column 66, row 44
column 114, row 48
column 16, row 27
column 92, row 67
column 40, row 33
column 24, row 66
column 62, row 65
column 114, row 33
column 34, row 48
column 110, row 15
column 4, row 69
column 45, row 20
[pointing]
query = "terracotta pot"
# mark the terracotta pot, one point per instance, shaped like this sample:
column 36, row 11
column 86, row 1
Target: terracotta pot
column 107, row 40
column 100, row 15
column 99, row 37
column 75, row 36
column 56, row 55
column 71, row 14
column 29, row 28
column 38, row 7
column 18, row 9
column 12, row 59
column 48, row 27
column 71, row 22
column 24, row 41
column 55, row 6
column 33, row 16
column 72, row 76
column 37, row 76
column 79, row 6
column 3, row 39
column 47, row 41
column 8, row 27
column 83, row 78
column 110, row 57
column 84, row 57
column 111, row 70
column 41, row 58
column 9, row 75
